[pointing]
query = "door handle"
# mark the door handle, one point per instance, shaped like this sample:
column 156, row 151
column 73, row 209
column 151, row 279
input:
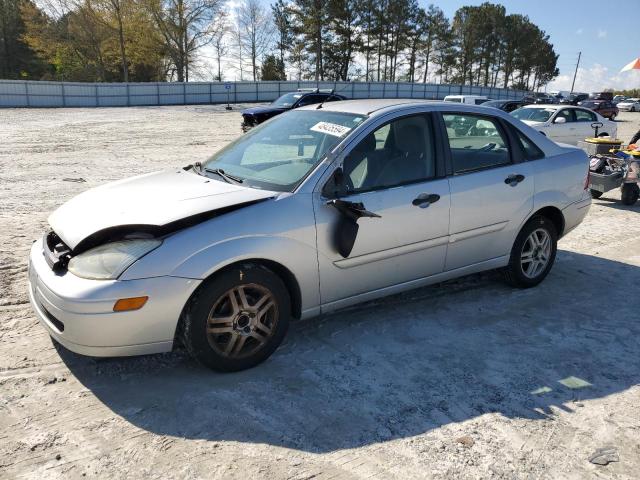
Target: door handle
column 514, row 180
column 425, row 199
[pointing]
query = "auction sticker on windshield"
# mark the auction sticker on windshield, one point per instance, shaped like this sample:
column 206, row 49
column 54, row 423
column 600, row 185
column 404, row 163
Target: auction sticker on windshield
column 330, row 129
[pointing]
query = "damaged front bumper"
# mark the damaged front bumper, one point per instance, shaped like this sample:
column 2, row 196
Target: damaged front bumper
column 78, row 313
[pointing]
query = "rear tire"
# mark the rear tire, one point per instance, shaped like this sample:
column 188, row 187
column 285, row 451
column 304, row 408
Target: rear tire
column 533, row 253
column 612, row 117
column 630, row 193
column 237, row 318
column 596, row 193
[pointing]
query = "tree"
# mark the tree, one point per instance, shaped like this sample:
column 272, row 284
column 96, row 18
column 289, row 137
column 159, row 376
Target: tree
column 186, row 26
column 272, row 68
column 344, row 37
column 282, row 22
column 81, row 41
column 17, row 59
column 309, row 23
column 256, row 31
column 219, row 42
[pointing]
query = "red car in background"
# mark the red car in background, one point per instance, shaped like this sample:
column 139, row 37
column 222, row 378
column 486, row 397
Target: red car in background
column 604, row 107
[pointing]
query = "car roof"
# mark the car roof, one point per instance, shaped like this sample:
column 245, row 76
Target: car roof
column 550, row 105
column 376, row 107
column 366, row 107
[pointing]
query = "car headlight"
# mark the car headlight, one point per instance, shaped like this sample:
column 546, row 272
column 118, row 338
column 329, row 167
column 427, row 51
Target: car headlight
column 107, row 262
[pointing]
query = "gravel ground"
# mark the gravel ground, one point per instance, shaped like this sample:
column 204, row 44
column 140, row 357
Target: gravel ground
column 467, row 379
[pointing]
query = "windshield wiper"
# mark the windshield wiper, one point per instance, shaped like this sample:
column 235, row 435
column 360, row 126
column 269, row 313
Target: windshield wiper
column 225, row 176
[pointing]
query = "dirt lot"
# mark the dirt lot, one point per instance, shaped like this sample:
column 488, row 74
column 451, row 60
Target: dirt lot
column 468, row 379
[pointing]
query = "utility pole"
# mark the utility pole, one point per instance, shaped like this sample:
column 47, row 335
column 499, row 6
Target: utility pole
column 576, row 73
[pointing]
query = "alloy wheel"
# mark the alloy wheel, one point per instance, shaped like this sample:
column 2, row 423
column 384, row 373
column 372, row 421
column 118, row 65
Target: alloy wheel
column 536, row 253
column 242, row 320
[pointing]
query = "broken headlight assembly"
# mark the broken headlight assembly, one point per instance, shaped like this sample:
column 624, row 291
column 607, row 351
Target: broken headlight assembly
column 109, row 261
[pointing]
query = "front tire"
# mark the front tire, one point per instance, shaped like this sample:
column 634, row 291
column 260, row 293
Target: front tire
column 630, row 193
column 533, row 253
column 237, row 318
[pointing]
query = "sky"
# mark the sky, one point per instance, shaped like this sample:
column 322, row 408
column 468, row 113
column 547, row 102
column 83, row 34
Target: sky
column 606, row 32
column 597, row 28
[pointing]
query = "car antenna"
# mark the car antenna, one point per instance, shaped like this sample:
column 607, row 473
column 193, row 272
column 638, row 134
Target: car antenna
column 322, row 102
column 332, row 92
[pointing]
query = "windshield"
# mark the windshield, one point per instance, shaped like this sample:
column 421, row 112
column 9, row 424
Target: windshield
column 287, row 100
column 533, row 114
column 278, row 154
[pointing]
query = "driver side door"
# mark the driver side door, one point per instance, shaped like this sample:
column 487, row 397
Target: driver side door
column 564, row 132
column 394, row 173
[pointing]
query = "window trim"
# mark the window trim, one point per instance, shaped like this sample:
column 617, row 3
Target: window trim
column 516, row 133
column 437, row 154
column 444, row 136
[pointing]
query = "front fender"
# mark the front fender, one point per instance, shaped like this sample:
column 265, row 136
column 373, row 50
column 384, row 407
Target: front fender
column 297, row 257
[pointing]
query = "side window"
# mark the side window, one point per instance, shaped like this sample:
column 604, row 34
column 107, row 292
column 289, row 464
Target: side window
column 510, row 107
column 567, row 114
column 476, row 142
column 396, row 153
column 310, row 100
column 531, row 151
column 584, row 116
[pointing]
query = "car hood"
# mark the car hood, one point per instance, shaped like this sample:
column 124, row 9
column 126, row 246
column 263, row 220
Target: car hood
column 141, row 203
column 261, row 110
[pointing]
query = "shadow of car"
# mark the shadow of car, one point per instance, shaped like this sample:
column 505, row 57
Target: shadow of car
column 398, row 367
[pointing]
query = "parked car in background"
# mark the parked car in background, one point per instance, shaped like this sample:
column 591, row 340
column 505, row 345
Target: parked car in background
column 574, row 99
column 565, row 124
column 629, row 105
column 604, row 107
column 619, row 98
column 467, row 99
column 315, row 210
column 505, row 105
column 301, row 98
column 601, row 96
column 540, row 98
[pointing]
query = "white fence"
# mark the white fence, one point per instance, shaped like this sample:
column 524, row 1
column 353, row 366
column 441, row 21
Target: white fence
column 19, row 93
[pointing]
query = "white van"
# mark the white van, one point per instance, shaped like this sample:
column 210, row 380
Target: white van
column 466, row 99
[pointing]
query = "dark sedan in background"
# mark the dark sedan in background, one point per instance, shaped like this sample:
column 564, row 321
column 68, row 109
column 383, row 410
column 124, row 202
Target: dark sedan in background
column 574, row 99
column 301, row 98
column 604, row 107
column 505, row 105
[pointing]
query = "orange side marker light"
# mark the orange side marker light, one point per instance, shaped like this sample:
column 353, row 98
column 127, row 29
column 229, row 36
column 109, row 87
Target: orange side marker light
column 127, row 304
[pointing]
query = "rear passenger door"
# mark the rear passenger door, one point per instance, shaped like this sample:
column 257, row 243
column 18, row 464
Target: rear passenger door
column 584, row 119
column 491, row 189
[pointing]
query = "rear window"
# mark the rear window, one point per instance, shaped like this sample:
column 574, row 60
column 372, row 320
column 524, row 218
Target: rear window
column 457, row 100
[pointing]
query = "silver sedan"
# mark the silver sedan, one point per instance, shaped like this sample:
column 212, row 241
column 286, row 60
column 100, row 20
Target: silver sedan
column 317, row 209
